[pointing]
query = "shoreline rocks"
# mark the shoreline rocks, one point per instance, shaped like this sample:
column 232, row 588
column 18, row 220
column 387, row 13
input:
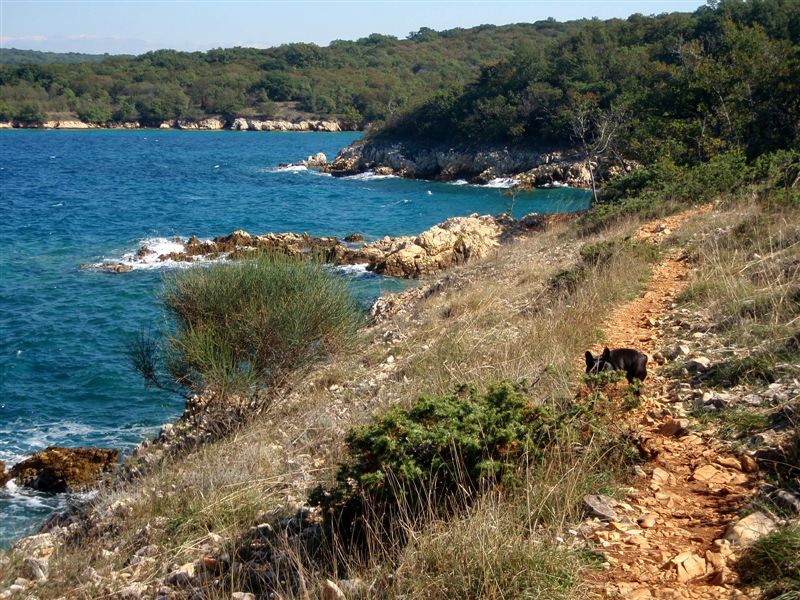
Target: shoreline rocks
column 58, row 470
column 480, row 165
column 456, row 241
column 204, row 124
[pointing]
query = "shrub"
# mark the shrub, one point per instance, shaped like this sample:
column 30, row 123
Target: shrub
column 773, row 562
column 434, row 453
column 600, row 253
column 245, row 325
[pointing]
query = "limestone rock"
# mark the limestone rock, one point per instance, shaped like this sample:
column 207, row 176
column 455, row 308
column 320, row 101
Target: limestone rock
column 318, row 160
column 182, row 576
column 647, row 521
column 674, row 427
column 56, row 469
column 750, row 528
column 331, row 591
column 700, row 364
column 35, row 569
column 211, row 123
column 787, row 500
column 600, row 506
column 689, row 566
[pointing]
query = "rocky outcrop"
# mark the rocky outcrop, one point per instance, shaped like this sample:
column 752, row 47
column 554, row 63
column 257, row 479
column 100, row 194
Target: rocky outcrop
column 246, row 124
column 4, row 477
column 456, row 241
column 209, row 124
column 67, row 124
column 480, row 165
column 206, row 124
column 56, row 469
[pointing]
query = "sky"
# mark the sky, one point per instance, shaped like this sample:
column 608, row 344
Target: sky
column 136, row 26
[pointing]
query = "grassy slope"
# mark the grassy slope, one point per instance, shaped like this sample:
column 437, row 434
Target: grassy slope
column 501, row 319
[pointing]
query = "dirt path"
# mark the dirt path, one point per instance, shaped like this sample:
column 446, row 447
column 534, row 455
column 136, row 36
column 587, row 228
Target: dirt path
column 667, row 544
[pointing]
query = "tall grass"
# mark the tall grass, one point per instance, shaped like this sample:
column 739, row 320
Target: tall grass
column 245, row 325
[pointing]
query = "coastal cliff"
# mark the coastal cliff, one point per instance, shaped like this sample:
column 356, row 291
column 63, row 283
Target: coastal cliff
column 477, row 164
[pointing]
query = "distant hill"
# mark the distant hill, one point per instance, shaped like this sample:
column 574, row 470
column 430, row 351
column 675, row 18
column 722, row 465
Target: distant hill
column 14, row 56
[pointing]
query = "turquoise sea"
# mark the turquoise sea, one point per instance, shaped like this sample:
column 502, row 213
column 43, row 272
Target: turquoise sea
column 73, row 197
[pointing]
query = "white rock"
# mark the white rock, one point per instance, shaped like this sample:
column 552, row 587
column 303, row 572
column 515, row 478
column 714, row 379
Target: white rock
column 750, row 528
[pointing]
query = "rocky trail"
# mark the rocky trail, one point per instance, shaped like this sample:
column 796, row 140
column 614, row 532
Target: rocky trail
column 671, row 537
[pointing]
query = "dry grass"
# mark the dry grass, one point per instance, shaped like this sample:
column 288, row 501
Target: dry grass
column 498, row 320
column 747, row 282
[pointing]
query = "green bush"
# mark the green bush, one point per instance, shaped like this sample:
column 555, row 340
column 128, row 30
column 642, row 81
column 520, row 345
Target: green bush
column 437, row 452
column 773, row 563
column 244, row 325
column 600, row 253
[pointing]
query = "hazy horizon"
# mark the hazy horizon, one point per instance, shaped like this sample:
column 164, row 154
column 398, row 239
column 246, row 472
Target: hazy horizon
column 134, row 27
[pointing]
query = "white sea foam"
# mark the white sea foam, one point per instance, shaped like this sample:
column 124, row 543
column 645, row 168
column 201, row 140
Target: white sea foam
column 358, row 271
column 157, row 246
column 459, row 182
column 369, row 176
column 556, row 184
column 501, row 182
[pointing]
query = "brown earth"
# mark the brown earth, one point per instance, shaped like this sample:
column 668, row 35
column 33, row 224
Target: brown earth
column 670, row 542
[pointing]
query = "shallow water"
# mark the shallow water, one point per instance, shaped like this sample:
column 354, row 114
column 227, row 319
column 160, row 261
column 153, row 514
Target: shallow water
column 73, row 197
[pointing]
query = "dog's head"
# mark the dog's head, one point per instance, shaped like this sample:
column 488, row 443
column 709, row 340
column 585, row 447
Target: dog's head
column 595, row 364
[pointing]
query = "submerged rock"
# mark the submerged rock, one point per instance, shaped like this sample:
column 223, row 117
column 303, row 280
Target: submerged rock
column 57, row 469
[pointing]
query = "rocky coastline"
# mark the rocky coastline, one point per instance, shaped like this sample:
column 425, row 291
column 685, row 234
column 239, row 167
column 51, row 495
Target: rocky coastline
column 456, row 241
column 206, row 124
column 520, row 166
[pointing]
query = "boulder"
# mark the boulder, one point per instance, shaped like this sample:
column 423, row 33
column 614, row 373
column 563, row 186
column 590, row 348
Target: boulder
column 240, row 124
column 456, row 241
column 331, row 591
column 58, row 469
column 211, row 123
column 599, row 506
column 35, row 569
column 318, row 160
column 4, row 477
column 750, row 528
column 701, row 364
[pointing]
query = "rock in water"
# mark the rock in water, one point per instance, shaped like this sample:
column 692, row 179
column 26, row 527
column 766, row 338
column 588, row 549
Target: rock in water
column 4, row 477
column 57, row 469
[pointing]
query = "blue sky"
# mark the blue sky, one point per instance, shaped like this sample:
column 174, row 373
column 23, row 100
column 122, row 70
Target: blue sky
column 138, row 26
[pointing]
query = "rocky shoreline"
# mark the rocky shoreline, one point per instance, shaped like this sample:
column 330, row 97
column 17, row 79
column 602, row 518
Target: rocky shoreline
column 207, row 124
column 456, row 241
column 523, row 167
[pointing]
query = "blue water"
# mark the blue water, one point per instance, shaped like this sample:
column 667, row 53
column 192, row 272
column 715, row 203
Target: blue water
column 72, row 197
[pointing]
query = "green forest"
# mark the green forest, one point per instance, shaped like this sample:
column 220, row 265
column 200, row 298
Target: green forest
column 366, row 80
column 690, row 85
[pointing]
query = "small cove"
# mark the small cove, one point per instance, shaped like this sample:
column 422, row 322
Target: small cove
column 73, row 197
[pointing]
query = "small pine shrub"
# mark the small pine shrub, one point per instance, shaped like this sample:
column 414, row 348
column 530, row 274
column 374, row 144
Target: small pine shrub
column 600, row 253
column 437, row 452
column 241, row 326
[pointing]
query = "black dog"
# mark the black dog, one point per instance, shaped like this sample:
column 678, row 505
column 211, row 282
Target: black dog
column 633, row 362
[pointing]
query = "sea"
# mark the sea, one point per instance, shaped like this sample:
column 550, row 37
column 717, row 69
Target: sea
column 71, row 198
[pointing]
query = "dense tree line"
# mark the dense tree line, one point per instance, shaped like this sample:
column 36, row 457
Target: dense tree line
column 14, row 56
column 686, row 86
column 369, row 79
